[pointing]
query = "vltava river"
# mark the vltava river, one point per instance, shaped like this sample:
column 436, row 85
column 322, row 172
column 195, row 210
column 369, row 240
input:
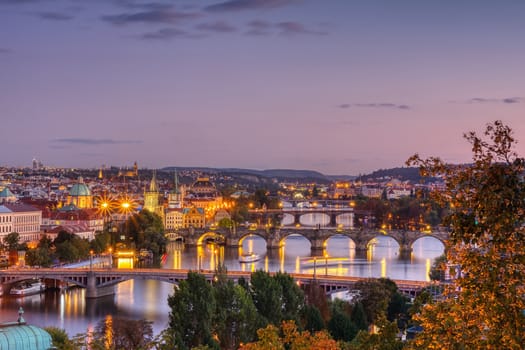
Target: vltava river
column 148, row 299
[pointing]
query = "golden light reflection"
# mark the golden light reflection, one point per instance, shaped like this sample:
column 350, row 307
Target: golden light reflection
column 177, row 259
column 383, row 267
column 200, row 256
column 281, row 257
column 428, row 265
column 297, row 265
column 250, row 245
column 266, row 264
column 109, row 332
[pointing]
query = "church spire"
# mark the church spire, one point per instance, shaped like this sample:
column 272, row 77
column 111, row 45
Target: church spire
column 153, row 183
column 176, row 183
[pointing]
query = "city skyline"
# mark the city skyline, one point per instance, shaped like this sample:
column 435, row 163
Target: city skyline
column 338, row 87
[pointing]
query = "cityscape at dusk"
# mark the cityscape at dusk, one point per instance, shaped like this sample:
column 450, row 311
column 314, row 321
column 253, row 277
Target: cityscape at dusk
column 262, row 174
column 340, row 87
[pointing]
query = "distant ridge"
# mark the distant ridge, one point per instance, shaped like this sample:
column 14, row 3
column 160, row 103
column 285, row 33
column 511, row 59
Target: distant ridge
column 269, row 173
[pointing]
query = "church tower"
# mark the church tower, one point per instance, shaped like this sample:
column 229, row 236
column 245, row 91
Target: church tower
column 175, row 199
column 152, row 199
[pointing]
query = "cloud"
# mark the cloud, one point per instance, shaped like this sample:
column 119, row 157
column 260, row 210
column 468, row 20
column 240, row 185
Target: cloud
column 169, row 33
column 507, row 100
column 219, row 27
column 17, row 2
column 375, row 105
column 143, row 6
column 239, row 5
column 152, row 16
column 258, row 27
column 5, row 51
column 82, row 141
column 54, row 16
column 292, row 28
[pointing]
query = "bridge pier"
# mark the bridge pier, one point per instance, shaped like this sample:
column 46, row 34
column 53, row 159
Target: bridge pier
column 92, row 291
column 405, row 250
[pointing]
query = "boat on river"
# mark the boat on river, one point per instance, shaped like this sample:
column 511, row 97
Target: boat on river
column 28, row 288
column 249, row 257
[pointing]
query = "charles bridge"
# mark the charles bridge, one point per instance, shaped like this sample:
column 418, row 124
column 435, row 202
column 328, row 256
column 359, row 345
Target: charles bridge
column 317, row 236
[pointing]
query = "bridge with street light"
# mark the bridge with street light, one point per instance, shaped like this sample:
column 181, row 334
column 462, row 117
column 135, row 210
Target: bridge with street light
column 100, row 282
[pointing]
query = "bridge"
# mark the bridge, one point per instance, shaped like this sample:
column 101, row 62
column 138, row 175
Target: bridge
column 318, row 236
column 101, row 282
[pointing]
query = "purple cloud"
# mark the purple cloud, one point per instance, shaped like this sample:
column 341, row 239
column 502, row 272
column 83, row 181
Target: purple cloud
column 239, row 5
column 153, row 16
column 3, row 50
column 375, row 105
column 55, row 16
column 292, row 28
column 219, row 27
column 83, row 141
column 507, row 100
column 168, row 33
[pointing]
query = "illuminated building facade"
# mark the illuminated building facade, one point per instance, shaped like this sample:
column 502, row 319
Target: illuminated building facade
column 21, row 218
column 80, row 196
column 152, row 197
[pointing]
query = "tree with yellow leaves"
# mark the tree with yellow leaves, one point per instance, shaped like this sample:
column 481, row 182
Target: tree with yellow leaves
column 484, row 308
column 291, row 339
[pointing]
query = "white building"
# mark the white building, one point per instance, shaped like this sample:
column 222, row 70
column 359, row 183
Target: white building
column 21, row 218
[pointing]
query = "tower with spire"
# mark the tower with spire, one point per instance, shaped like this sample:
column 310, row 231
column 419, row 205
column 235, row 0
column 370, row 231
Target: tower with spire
column 152, row 198
column 175, row 198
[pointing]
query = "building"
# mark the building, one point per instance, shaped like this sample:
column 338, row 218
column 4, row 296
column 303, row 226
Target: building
column 21, row 218
column 173, row 219
column 193, row 217
column 21, row 336
column 176, row 195
column 80, row 196
column 6, row 196
column 203, row 194
column 152, row 197
column 83, row 222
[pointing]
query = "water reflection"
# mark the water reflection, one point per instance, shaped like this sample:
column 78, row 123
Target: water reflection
column 148, row 299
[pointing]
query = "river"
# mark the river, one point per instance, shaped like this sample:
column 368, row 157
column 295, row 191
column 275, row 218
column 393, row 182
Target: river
column 148, row 299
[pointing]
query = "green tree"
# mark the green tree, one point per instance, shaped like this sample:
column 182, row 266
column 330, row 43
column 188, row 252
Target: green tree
column 60, row 339
column 375, row 296
column 235, row 318
column 341, row 326
column 11, row 241
column 484, row 308
column 192, row 306
column 292, row 300
column 312, row 319
column 42, row 255
column 101, row 243
column 384, row 339
column 145, row 230
column 358, row 316
column 267, row 296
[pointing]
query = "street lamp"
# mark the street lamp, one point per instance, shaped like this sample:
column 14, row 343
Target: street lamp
column 91, row 259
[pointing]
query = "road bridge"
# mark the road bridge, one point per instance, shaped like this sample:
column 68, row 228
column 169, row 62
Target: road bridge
column 100, row 282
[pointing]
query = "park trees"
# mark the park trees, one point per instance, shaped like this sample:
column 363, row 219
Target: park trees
column 485, row 307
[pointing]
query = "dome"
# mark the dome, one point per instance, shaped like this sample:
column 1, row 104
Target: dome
column 79, row 189
column 22, row 336
column 6, row 193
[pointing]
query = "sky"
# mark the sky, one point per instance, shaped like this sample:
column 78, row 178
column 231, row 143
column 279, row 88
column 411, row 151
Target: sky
column 337, row 86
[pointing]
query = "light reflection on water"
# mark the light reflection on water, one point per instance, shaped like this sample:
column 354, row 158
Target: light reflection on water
column 148, row 299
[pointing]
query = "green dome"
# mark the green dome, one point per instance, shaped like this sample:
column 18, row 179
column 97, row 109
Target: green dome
column 18, row 336
column 79, row 189
column 6, row 193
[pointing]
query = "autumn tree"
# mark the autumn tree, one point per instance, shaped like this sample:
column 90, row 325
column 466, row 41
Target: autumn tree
column 484, row 309
column 119, row 333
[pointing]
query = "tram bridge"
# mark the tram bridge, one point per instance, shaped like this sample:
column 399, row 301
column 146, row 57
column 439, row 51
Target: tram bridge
column 101, row 281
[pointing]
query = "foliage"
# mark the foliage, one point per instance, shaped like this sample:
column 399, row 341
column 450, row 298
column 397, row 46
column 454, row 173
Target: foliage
column 60, row 339
column 11, row 241
column 312, row 319
column 269, row 339
column 358, row 316
column 42, row 255
column 266, row 295
column 341, row 326
column 192, row 306
column 235, row 318
column 375, row 297
column 70, row 247
column 292, row 297
column 145, row 230
column 384, row 339
column 437, row 271
column 316, row 296
column 484, row 308
column 101, row 242
column 119, row 333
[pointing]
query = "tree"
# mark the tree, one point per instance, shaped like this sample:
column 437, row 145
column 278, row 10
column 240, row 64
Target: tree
column 11, row 241
column 60, row 339
column 384, row 339
column 292, row 301
column 192, row 305
column 119, row 333
column 42, row 254
column 484, row 308
column 235, row 318
column 267, row 296
column 437, row 271
column 375, row 296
